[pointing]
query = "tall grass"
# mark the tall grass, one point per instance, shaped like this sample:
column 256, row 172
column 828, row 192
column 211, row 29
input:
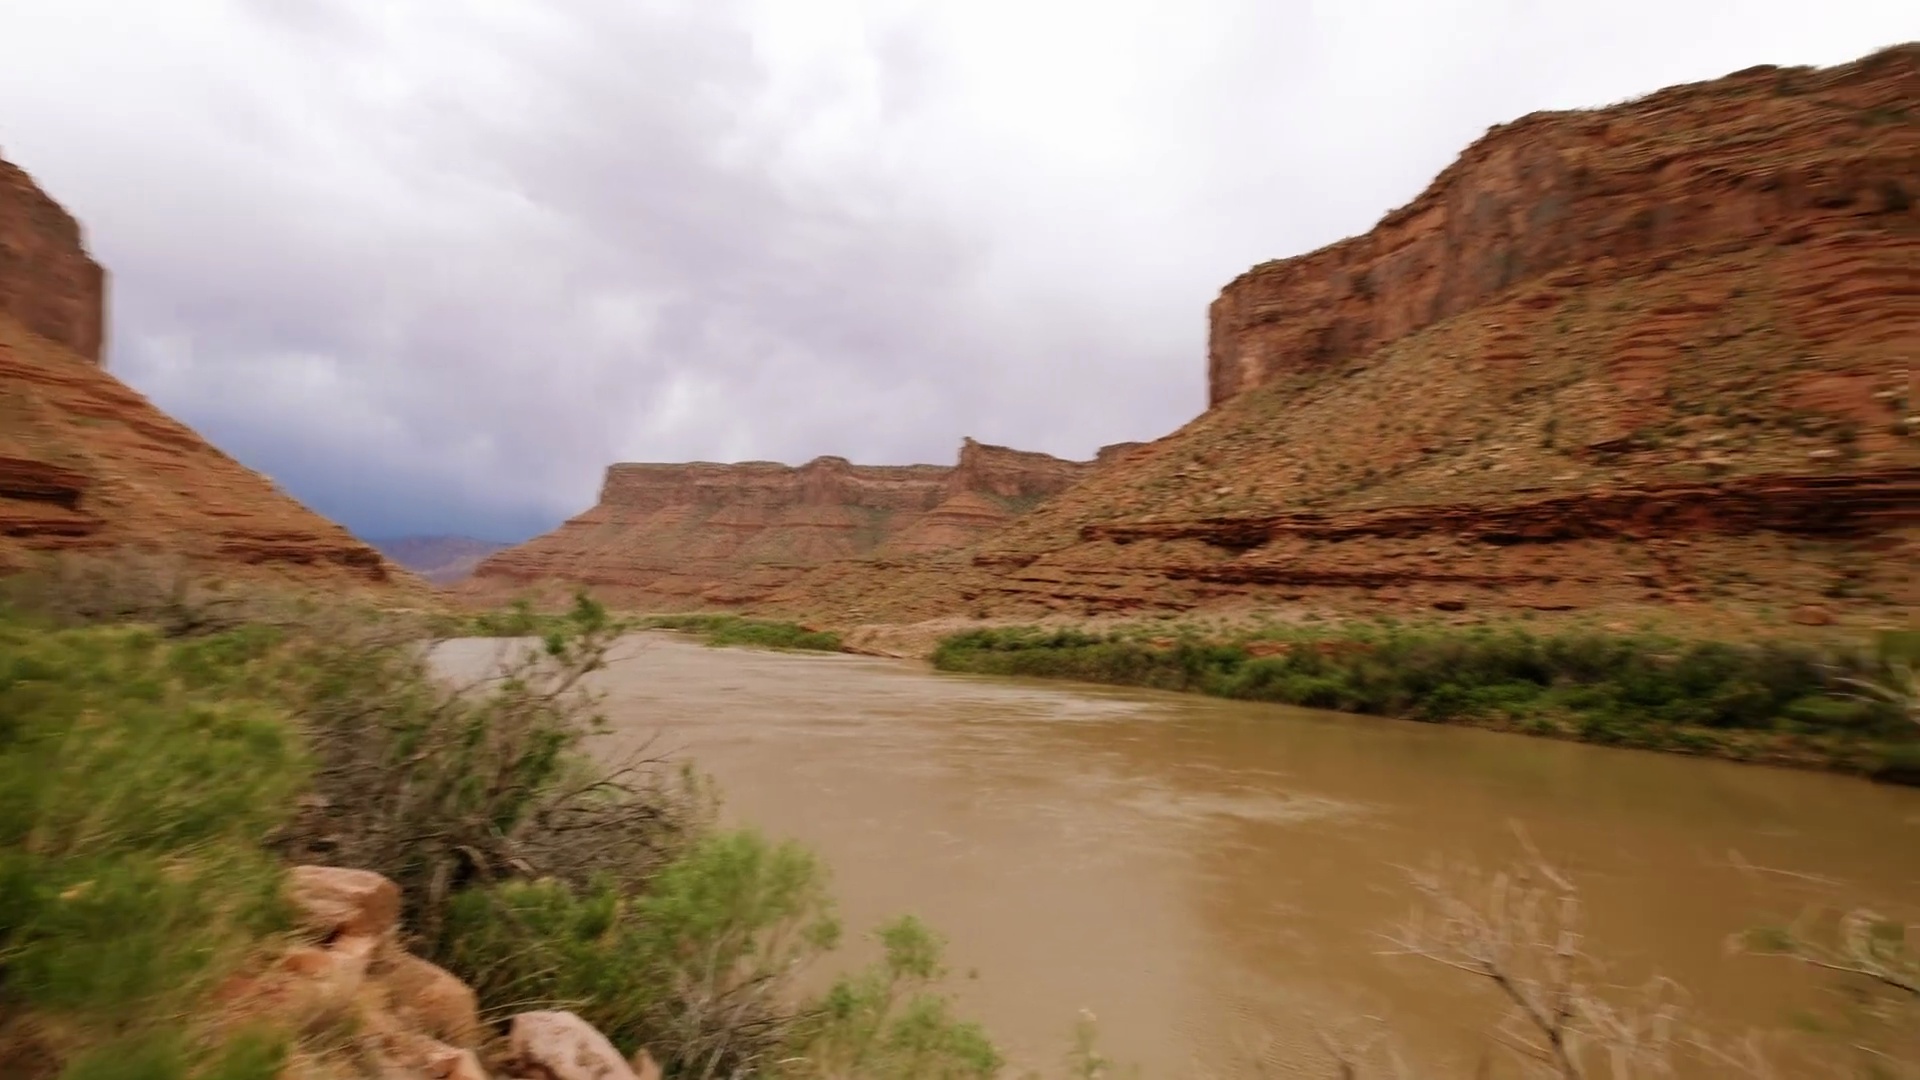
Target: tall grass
column 138, row 782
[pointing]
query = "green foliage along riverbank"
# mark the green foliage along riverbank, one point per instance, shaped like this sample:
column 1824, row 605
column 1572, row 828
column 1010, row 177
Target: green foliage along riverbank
column 1771, row 701
column 741, row 630
column 520, row 620
column 159, row 773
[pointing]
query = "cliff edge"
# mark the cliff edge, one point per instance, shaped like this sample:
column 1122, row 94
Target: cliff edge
column 48, row 282
column 1659, row 357
column 89, row 465
column 1761, row 159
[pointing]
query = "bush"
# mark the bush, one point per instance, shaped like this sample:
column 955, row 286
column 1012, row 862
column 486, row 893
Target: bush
column 445, row 787
column 1617, row 689
column 535, row 874
column 694, row 967
column 889, row 1022
column 721, row 630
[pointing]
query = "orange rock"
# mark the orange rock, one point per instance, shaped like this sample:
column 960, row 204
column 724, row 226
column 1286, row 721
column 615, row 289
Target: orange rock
column 561, row 1046
column 337, row 902
column 1812, row 615
column 434, row 1001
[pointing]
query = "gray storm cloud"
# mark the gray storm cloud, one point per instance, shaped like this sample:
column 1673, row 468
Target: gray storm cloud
column 434, row 266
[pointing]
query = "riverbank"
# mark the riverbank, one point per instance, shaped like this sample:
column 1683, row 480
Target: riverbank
column 718, row 629
column 1823, row 706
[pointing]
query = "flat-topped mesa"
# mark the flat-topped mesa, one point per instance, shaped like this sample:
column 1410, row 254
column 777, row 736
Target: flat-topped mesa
column 48, row 282
column 1766, row 156
column 647, row 486
column 703, row 532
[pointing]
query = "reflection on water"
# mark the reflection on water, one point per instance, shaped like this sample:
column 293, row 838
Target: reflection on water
column 1209, row 877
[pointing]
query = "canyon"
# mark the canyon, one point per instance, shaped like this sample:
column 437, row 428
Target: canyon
column 1655, row 360
column 89, row 466
column 439, row 560
column 677, row 535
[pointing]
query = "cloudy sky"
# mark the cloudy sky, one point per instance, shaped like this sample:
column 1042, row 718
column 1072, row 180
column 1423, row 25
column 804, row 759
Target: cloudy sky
column 433, row 265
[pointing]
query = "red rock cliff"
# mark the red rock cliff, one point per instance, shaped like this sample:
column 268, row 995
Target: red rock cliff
column 711, row 533
column 48, row 282
column 1763, row 157
column 89, row 465
column 1653, row 359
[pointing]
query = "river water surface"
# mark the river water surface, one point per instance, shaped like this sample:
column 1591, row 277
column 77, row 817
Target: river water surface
column 1212, row 879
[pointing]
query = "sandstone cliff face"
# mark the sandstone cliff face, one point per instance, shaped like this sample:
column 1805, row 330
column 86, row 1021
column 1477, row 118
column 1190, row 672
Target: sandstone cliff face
column 1759, row 159
column 87, row 464
column 1662, row 357
column 48, row 283
column 704, row 533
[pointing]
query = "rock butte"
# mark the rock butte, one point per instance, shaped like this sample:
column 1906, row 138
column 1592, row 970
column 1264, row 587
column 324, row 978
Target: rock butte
column 89, row 465
column 1651, row 357
column 704, row 533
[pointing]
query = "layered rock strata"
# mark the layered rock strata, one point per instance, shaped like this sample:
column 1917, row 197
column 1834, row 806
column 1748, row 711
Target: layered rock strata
column 48, row 282
column 1763, row 158
column 713, row 534
column 89, row 465
column 1664, row 355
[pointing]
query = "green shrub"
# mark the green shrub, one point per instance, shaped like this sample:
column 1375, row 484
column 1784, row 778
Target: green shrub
column 721, row 630
column 1623, row 689
column 889, row 1023
column 138, row 782
column 693, row 968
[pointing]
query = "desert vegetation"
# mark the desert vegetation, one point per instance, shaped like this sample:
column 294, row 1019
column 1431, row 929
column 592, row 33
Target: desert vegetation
column 522, row 619
column 164, row 757
column 1841, row 707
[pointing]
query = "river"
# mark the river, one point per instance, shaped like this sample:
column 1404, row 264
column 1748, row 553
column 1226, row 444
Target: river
column 1214, row 880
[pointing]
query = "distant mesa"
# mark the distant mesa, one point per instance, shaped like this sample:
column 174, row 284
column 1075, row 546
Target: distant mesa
column 705, row 533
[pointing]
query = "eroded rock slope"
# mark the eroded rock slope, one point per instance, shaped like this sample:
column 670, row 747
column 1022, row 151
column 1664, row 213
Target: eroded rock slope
column 704, row 534
column 1662, row 354
column 89, row 465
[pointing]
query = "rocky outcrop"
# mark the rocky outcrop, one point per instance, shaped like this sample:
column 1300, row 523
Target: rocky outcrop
column 391, row 1014
column 1762, row 158
column 48, row 282
column 705, row 533
column 89, row 465
column 1627, row 360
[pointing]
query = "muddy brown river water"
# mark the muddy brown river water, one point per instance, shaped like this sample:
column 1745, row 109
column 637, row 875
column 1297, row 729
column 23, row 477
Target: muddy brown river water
column 1211, row 879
